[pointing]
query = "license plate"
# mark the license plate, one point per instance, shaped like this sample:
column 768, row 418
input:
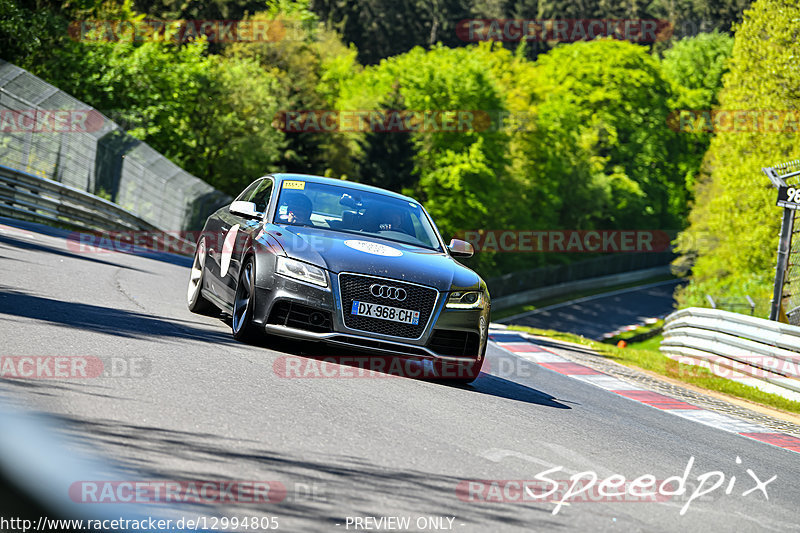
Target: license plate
column 385, row 312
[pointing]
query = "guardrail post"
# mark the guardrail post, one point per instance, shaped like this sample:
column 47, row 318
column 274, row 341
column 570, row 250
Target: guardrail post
column 752, row 305
column 784, row 245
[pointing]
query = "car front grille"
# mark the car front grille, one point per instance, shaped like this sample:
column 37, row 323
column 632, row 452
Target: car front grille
column 452, row 342
column 355, row 287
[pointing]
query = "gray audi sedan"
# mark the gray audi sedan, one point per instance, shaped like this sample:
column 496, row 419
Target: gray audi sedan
column 342, row 263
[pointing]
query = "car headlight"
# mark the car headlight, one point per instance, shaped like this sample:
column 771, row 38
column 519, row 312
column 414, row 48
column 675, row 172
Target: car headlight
column 302, row 271
column 465, row 300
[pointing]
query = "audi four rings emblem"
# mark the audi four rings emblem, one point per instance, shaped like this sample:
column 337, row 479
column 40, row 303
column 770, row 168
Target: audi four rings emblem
column 385, row 291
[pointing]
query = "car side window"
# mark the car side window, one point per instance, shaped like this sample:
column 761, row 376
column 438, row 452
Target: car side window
column 249, row 191
column 261, row 195
column 258, row 193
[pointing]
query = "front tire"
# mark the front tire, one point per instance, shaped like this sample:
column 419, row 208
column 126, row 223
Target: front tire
column 194, row 292
column 244, row 303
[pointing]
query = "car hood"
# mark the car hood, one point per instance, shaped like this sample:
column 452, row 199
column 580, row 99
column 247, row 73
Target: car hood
column 347, row 252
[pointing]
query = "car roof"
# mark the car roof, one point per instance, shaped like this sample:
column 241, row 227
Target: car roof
column 341, row 183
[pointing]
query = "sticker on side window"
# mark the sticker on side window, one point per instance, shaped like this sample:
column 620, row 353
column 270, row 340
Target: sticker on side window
column 299, row 185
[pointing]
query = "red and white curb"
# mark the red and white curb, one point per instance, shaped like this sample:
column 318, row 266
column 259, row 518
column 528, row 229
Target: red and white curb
column 525, row 347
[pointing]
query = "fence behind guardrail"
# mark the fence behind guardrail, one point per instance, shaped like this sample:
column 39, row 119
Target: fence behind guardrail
column 48, row 133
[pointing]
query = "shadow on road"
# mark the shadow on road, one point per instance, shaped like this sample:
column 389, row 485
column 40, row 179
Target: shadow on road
column 314, row 360
column 92, row 252
column 27, row 245
column 102, row 319
column 345, row 483
column 511, row 390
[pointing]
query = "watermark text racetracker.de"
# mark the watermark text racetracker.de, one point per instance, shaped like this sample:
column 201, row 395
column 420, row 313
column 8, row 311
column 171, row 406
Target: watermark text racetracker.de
column 174, row 242
column 564, row 30
column 387, row 120
column 184, row 30
column 734, row 120
column 744, row 366
column 198, row 491
column 587, row 487
column 404, row 120
column 36, row 120
column 168, row 491
column 501, row 240
column 73, row 367
column 149, row 523
column 375, row 367
column 567, row 241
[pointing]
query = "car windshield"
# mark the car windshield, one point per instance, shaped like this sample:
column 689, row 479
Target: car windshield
column 320, row 205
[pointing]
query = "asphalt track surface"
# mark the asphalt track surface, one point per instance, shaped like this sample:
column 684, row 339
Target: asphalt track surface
column 594, row 316
column 209, row 408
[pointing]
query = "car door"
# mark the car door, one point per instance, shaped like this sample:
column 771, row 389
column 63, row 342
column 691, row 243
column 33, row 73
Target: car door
column 236, row 231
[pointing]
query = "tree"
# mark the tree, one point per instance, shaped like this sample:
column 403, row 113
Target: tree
column 696, row 65
column 459, row 172
column 25, row 32
column 610, row 100
column 385, row 28
column 734, row 223
column 208, row 114
column 310, row 65
column 387, row 158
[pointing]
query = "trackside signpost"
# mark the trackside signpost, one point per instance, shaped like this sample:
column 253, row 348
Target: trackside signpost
column 789, row 199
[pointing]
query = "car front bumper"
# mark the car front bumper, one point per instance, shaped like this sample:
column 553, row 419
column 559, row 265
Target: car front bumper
column 327, row 301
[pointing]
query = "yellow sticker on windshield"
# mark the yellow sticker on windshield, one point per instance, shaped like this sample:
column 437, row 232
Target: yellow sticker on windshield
column 299, row 185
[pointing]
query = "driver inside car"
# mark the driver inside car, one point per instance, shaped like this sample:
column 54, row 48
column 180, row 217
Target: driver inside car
column 295, row 208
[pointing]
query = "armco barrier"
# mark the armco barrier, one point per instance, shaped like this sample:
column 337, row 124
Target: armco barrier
column 758, row 352
column 517, row 285
column 27, row 196
column 95, row 157
column 572, row 287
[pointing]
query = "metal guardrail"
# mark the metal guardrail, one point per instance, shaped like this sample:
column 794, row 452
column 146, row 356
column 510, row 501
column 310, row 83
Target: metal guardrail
column 24, row 195
column 572, row 287
column 44, row 200
column 754, row 351
column 514, row 283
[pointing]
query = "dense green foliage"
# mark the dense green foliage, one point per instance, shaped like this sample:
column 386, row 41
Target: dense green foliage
column 695, row 66
column 618, row 100
column 733, row 235
column 384, row 28
column 580, row 138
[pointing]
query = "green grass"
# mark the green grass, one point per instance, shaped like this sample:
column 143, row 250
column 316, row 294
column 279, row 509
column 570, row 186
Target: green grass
column 538, row 304
column 652, row 344
column 646, row 356
column 641, row 330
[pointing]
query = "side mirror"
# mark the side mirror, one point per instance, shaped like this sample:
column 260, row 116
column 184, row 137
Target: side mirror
column 459, row 248
column 245, row 209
